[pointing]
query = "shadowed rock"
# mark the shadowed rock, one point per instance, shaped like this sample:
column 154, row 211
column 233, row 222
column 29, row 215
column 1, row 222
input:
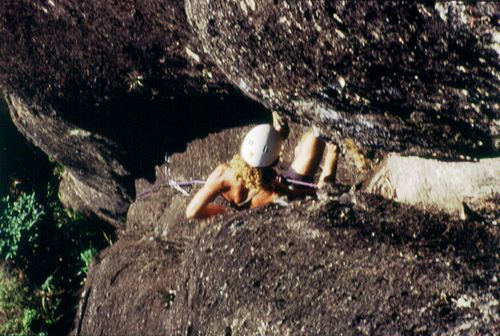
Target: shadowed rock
column 82, row 57
column 117, row 85
column 129, row 288
column 95, row 182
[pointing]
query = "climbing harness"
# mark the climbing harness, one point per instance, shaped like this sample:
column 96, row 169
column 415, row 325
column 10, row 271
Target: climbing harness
column 168, row 181
column 302, row 183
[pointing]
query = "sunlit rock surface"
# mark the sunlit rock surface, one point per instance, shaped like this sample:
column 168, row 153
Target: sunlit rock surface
column 346, row 263
column 421, row 78
column 438, row 185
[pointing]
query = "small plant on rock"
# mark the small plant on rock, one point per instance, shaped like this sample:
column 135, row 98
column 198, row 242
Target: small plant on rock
column 50, row 297
column 86, row 258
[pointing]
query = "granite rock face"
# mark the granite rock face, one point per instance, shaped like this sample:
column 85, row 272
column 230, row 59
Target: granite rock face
column 433, row 184
column 95, row 182
column 106, row 88
column 417, row 78
column 81, row 56
column 129, row 288
column 403, row 76
column 345, row 263
column 279, row 271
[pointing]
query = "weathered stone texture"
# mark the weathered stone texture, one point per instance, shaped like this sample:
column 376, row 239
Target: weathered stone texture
column 346, row 263
column 102, row 186
column 103, row 86
column 408, row 76
column 438, row 185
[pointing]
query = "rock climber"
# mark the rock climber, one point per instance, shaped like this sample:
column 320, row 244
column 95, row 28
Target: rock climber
column 249, row 180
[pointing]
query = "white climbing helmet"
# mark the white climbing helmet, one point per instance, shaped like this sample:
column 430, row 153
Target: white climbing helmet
column 261, row 146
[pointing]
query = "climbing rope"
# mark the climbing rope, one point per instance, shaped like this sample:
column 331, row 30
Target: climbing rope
column 178, row 186
column 168, row 181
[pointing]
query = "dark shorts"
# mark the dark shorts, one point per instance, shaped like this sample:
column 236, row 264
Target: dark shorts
column 291, row 174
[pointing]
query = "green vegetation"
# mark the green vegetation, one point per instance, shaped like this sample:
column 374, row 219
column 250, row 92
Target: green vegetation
column 24, row 313
column 19, row 225
column 12, row 304
column 86, row 258
column 50, row 249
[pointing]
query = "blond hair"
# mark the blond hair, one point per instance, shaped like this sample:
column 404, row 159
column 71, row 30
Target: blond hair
column 251, row 177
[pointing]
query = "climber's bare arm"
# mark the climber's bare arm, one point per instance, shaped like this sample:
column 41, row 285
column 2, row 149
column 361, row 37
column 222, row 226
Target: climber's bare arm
column 200, row 207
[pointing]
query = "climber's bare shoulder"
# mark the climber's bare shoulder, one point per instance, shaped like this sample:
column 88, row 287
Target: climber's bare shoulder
column 264, row 197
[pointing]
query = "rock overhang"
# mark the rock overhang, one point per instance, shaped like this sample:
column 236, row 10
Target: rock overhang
column 395, row 76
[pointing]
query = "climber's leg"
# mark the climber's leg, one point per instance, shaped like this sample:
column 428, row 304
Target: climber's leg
column 329, row 168
column 308, row 154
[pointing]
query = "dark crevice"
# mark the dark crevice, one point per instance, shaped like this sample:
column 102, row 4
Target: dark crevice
column 147, row 129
